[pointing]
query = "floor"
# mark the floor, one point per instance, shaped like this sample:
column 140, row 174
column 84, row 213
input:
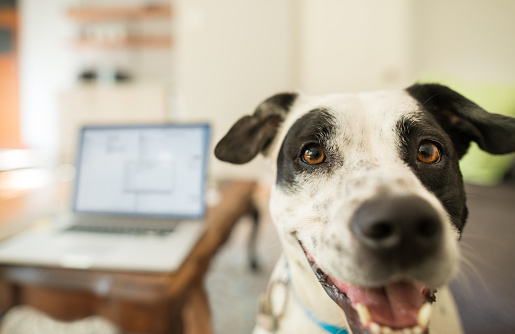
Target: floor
column 233, row 287
column 485, row 287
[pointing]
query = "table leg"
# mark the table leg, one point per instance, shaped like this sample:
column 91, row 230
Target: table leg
column 9, row 296
column 197, row 313
column 251, row 247
column 131, row 317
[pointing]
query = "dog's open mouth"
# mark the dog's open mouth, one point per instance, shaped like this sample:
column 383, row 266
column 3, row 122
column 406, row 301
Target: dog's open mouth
column 399, row 307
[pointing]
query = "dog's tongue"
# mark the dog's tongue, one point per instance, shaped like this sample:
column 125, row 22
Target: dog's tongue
column 395, row 305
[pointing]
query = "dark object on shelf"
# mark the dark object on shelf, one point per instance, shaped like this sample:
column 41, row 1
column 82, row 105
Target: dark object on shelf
column 115, row 76
column 88, row 76
column 120, row 76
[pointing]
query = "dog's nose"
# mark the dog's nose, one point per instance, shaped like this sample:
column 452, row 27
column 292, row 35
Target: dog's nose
column 406, row 228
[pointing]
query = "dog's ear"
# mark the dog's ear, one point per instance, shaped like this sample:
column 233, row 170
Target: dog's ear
column 465, row 121
column 251, row 135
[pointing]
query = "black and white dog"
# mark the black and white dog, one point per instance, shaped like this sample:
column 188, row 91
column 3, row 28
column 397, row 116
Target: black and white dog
column 369, row 204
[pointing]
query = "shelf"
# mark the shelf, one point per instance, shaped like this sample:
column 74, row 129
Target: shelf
column 131, row 42
column 98, row 14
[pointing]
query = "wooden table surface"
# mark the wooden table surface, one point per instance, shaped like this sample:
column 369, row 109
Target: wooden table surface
column 137, row 302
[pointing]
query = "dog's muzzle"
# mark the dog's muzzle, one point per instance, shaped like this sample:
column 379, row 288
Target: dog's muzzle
column 397, row 235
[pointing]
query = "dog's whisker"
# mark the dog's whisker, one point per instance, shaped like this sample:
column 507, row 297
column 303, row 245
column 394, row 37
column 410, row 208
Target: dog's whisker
column 468, row 272
column 429, row 99
column 474, row 194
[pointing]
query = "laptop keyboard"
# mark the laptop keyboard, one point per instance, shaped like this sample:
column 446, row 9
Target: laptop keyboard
column 119, row 230
column 129, row 226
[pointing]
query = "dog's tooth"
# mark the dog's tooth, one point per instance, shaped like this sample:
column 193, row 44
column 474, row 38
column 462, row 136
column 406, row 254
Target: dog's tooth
column 407, row 331
column 364, row 313
column 424, row 314
column 386, row 330
column 417, row 330
column 375, row 328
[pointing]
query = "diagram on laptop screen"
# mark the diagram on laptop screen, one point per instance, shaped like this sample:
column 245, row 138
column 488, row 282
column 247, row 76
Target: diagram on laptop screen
column 153, row 170
column 149, row 176
column 144, row 171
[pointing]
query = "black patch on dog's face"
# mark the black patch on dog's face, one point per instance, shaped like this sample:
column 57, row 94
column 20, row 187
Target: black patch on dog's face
column 315, row 127
column 443, row 178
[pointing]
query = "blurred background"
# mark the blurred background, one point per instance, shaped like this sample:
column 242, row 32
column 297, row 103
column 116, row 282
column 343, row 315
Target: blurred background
column 66, row 63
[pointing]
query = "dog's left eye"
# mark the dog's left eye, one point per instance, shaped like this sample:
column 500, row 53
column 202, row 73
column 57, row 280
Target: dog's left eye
column 428, row 152
column 313, row 154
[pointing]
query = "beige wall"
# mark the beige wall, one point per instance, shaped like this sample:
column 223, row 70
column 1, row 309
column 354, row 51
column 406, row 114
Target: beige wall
column 232, row 54
column 470, row 39
column 349, row 46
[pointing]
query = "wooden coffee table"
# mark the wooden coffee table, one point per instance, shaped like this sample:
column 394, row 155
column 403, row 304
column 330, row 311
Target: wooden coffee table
column 174, row 302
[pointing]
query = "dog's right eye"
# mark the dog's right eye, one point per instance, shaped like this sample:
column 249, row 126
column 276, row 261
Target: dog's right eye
column 313, row 154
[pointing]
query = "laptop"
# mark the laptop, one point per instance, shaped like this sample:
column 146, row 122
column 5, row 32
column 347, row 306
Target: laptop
column 138, row 202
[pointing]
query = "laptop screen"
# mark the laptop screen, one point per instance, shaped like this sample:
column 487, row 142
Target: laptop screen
column 155, row 170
